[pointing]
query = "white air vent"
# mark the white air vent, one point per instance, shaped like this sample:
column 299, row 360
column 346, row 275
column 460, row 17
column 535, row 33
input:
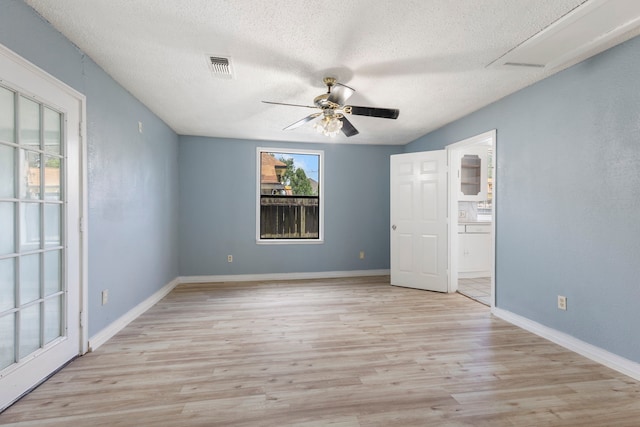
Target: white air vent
column 220, row 66
column 589, row 29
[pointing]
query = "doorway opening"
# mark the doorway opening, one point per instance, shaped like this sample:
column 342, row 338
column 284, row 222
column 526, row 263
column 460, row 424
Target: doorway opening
column 472, row 217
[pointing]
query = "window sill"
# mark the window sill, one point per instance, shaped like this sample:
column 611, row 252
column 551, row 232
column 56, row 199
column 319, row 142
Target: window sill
column 289, row 242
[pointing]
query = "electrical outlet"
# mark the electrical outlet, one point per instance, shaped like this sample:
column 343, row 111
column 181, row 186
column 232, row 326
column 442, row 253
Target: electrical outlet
column 462, row 214
column 105, row 296
column 229, row 258
column 361, row 254
column 562, row 302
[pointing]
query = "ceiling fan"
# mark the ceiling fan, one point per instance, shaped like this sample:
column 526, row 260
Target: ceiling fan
column 331, row 119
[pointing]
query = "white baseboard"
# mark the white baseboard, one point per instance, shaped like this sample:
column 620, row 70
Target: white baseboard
column 597, row 354
column 282, row 276
column 104, row 335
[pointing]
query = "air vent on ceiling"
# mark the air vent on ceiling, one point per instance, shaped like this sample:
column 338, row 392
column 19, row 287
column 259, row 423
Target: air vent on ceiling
column 521, row 64
column 220, row 66
column 588, row 29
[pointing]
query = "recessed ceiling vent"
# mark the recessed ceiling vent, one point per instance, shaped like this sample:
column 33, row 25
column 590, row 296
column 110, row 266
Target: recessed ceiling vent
column 522, row 64
column 587, row 30
column 220, row 66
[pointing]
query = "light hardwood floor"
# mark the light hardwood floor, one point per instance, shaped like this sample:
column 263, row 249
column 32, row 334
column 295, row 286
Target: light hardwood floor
column 339, row 352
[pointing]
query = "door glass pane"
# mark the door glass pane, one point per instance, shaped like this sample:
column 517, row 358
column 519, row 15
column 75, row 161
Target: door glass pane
column 31, row 283
column 52, row 135
column 29, row 123
column 7, row 173
column 52, row 225
column 32, row 241
column 30, row 179
column 7, row 233
column 7, row 284
column 52, row 311
column 29, row 330
column 51, row 272
column 7, row 341
column 52, row 178
column 29, row 278
column 30, row 226
column 7, row 115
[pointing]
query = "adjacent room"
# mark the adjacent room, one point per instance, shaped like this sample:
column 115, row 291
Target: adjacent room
column 299, row 213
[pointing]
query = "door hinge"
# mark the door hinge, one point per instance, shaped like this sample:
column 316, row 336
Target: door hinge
column 81, row 224
column 81, row 325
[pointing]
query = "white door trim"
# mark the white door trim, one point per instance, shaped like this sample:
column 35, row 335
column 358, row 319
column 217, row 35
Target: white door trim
column 452, row 155
column 30, row 79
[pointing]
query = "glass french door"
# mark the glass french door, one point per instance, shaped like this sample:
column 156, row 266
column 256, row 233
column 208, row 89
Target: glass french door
column 32, row 296
column 39, row 287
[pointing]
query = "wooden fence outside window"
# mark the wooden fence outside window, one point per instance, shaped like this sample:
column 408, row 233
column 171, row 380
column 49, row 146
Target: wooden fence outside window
column 289, row 217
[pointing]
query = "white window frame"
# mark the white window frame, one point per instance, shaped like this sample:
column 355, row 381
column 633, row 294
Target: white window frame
column 320, row 154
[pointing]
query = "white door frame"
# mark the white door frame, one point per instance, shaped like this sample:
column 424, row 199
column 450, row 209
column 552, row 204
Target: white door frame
column 453, row 153
column 29, row 78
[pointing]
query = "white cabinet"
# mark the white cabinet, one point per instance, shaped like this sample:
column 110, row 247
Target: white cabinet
column 474, row 250
column 473, row 174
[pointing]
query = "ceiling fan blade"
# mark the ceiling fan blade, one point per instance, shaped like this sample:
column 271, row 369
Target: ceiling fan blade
column 291, row 105
column 347, row 128
column 340, row 93
column 385, row 113
column 302, row 121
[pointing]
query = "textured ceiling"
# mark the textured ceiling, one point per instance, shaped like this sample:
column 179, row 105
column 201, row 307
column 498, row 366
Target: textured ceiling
column 428, row 58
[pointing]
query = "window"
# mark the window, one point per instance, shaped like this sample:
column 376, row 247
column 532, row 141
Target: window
column 289, row 201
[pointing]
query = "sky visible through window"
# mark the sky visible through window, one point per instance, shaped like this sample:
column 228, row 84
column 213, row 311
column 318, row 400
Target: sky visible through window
column 308, row 162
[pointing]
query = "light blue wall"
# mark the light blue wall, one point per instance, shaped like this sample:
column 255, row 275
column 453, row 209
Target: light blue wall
column 568, row 198
column 132, row 177
column 218, row 210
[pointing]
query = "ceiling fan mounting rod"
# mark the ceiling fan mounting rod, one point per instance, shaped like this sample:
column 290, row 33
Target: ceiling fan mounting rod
column 329, row 82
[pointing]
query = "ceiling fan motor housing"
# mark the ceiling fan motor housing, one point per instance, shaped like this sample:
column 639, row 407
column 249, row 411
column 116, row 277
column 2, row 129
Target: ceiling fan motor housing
column 322, row 101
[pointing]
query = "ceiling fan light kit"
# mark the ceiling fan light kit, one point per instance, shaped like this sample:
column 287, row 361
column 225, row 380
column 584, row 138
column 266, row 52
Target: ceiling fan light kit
column 329, row 125
column 333, row 110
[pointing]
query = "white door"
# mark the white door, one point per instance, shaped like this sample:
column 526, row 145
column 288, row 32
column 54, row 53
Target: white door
column 419, row 249
column 40, row 257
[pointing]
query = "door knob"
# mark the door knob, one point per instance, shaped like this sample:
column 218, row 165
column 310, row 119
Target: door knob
column 393, row 227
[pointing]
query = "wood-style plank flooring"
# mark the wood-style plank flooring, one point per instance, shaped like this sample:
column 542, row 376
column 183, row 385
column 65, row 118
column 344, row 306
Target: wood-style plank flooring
column 337, row 352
